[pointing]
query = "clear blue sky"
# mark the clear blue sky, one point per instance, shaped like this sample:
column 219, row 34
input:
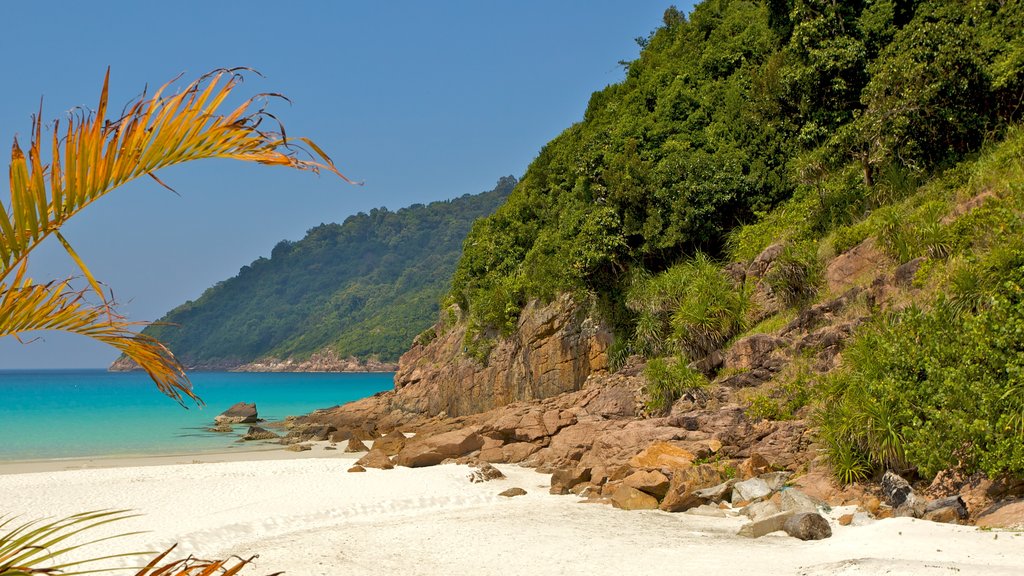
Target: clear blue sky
column 422, row 100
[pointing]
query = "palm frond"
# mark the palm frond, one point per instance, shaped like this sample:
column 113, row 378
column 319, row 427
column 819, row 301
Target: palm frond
column 94, row 155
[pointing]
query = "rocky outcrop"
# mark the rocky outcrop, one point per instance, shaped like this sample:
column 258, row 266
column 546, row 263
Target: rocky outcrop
column 241, row 413
column 554, row 349
column 323, row 361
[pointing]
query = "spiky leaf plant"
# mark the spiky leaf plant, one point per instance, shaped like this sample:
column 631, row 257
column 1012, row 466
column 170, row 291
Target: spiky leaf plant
column 93, row 155
column 42, row 546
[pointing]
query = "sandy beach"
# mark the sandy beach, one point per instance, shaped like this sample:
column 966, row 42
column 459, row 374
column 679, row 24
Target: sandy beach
column 304, row 514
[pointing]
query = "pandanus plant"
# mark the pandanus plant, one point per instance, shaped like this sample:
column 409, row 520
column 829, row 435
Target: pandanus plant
column 91, row 155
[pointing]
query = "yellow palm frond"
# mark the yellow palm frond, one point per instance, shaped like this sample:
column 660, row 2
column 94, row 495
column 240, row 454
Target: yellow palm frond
column 93, row 156
column 28, row 307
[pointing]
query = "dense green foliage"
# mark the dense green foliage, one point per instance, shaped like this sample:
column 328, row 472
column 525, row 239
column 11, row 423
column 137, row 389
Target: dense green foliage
column 941, row 384
column 834, row 108
column 814, row 124
column 365, row 287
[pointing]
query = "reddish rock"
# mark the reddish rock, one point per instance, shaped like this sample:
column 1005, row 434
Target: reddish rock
column 241, row 413
column 652, row 482
column 357, row 468
column 681, row 494
column 518, row 451
column 753, row 466
column 846, row 519
column 563, row 480
column 628, row 498
column 663, row 455
column 376, row 458
column 1009, row 514
column 391, row 444
column 512, row 492
column 355, row 445
column 435, row 449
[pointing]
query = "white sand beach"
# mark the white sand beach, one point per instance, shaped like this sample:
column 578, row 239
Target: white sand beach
column 304, row 514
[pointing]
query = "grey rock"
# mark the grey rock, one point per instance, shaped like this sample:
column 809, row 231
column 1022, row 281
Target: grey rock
column 750, row 490
column 707, row 510
column 808, row 526
column 776, row 480
column 901, row 496
column 760, row 510
column 765, row 526
column 299, row 447
column 717, row 493
column 796, row 501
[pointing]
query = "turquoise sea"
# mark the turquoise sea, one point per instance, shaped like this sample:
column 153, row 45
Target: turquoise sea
column 73, row 413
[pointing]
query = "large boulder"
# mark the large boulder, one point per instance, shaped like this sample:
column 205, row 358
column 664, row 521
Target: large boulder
column 652, row 482
column 355, row 445
column 901, row 496
column 376, row 458
column 750, row 490
column 392, row 443
column 564, row 479
column 433, row 450
column 681, row 494
column 241, row 413
column 808, row 526
column 629, row 498
column 663, row 455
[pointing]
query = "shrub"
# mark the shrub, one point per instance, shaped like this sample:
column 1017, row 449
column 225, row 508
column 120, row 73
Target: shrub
column 929, row 390
column 796, row 274
column 668, row 380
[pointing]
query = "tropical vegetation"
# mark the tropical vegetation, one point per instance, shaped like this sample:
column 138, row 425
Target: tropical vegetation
column 812, row 125
column 364, row 288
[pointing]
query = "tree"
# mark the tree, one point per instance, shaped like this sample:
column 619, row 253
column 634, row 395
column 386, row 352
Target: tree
column 95, row 155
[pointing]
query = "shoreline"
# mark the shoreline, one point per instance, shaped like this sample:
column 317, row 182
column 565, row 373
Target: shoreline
column 303, row 513
column 251, row 452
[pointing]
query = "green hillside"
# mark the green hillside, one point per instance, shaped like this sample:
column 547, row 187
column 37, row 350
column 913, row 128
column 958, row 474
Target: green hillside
column 879, row 131
column 365, row 287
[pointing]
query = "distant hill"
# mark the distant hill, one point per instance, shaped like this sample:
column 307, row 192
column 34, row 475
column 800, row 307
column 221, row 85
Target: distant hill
column 363, row 288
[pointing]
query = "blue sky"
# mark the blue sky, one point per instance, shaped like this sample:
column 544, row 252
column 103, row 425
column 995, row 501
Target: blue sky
column 421, row 100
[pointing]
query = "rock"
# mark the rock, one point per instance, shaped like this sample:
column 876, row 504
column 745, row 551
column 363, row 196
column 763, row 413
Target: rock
column 899, row 494
column 485, row 473
column 357, row 468
column 753, row 466
column 392, row 443
column 707, row 510
column 760, row 510
column 796, row 501
column 433, row 450
column 905, row 273
column 553, row 349
column 845, row 519
column 628, row 498
column 765, row 526
column 356, row 445
column 330, row 447
column 511, row 492
column 752, row 352
column 718, row 492
column 221, row 428
column 808, row 526
column 1008, row 514
column 299, row 447
column 376, row 458
column 310, row 432
column 663, row 455
column 563, row 480
column 518, row 451
column 776, row 480
column 683, row 490
column 257, row 433
column 950, row 510
column 241, row 413
column 652, row 482
column 340, row 435
column 750, row 490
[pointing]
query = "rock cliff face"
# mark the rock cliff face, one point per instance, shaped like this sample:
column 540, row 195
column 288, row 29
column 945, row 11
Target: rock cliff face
column 553, row 350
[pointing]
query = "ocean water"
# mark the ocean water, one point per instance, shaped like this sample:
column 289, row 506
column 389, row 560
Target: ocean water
column 74, row 413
